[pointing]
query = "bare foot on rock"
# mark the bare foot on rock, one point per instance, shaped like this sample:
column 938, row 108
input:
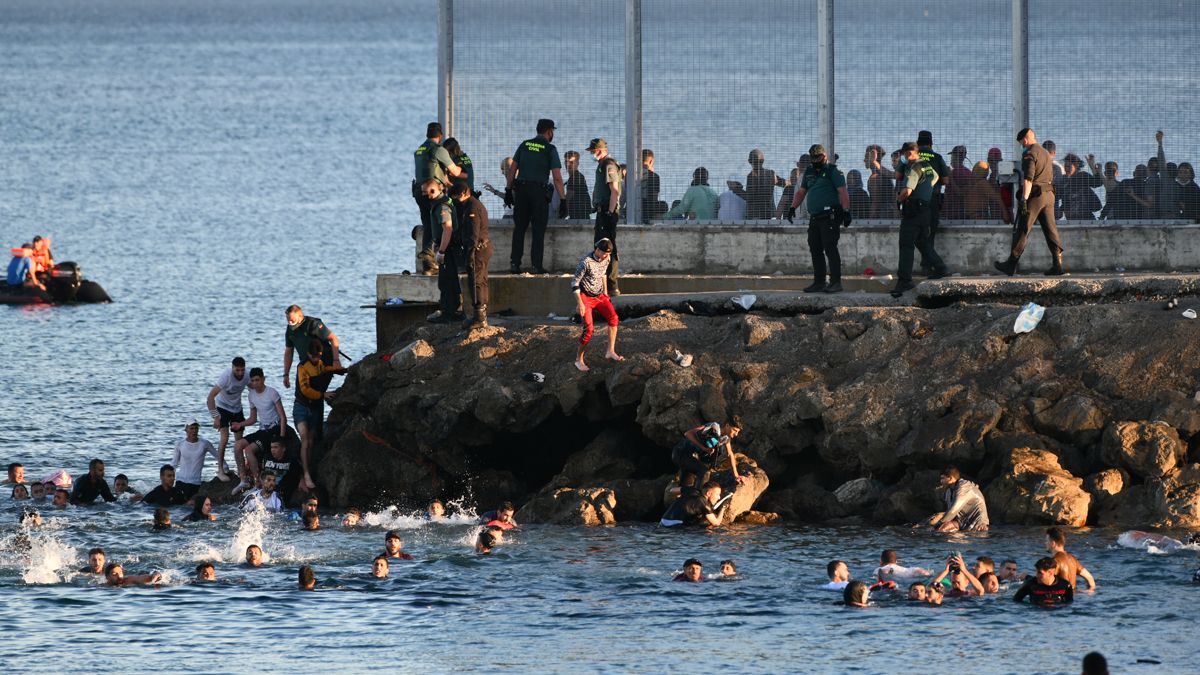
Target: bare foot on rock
column 613, row 356
column 583, row 368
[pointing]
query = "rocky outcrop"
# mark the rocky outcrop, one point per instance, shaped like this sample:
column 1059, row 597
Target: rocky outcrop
column 569, row 506
column 1146, row 449
column 1035, row 490
column 850, row 412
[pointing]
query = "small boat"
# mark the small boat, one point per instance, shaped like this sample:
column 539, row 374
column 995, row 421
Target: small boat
column 64, row 285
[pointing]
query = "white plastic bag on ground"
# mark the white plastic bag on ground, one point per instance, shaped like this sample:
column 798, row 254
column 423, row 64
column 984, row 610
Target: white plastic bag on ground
column 744, row 301
column 1030, row 316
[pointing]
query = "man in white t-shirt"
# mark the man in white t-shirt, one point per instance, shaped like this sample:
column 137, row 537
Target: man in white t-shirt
column 189, row 459
column 839, row 575
column 266, row 408
column 264, row 497
column 225, row 406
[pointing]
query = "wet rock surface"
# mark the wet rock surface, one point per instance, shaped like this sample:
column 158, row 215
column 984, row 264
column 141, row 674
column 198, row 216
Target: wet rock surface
column 847, row 411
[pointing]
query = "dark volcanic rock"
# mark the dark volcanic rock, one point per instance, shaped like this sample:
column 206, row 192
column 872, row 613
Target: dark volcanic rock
column 888, row 394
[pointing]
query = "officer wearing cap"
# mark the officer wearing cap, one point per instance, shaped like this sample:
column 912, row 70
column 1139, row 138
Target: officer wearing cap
column 917, row 189
column 829, row 209
column 1035, row 202
column 935, row 160
column 606, row 198
column 432, row 161
column 529, row 193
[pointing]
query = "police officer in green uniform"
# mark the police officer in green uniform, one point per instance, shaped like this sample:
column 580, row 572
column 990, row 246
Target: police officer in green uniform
column 606, row 197
column 919, row 184
column 448, row 239
column 432, row 161
column 935, row 160
column 1036, row 203
column 829, row 210
column 529, row 193
column 463, row 161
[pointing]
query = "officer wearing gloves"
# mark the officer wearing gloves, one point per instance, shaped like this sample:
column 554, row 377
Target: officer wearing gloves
column 829, row 210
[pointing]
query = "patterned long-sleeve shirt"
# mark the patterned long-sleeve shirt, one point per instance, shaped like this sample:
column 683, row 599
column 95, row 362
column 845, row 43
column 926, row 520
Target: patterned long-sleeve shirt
column 589, row 275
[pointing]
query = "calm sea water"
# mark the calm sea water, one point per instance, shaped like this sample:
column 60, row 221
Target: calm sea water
column 209, row 164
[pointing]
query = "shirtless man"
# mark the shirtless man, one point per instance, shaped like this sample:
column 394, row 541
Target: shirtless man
column 1069, row 567
column 114, row 573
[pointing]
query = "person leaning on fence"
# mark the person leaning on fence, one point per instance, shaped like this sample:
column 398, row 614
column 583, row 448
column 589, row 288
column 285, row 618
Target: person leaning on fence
column 590, row 285
column 529, row 191
column 1036, row 203
column 432, row 162
column 829, row 209
column 477, row 251
column 917, row 194
column 448, row 239
column 606, row 196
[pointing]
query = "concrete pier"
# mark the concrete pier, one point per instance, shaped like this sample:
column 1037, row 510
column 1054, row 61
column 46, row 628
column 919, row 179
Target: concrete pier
column 770, row 247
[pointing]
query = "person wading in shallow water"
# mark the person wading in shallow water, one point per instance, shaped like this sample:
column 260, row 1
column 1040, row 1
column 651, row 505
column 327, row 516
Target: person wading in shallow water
column 966, row 510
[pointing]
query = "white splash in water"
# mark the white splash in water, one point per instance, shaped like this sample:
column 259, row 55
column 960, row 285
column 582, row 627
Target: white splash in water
column 51, row 560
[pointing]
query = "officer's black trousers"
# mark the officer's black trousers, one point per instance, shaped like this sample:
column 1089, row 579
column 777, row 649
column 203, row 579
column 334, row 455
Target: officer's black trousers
column 449, row 287
column 914, row 233
column 935, row 221
column 531, row 207
column 1039, row 207
column 823, row 235
column 478, row 259
column 606, row 228
column 425, row 206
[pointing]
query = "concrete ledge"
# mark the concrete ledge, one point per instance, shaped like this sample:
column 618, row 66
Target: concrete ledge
column 767, row 247
column 1072, row 289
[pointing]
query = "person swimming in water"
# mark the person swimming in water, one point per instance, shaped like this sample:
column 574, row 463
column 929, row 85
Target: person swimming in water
column 162, row 519
column 839, row 575
column 856, row 594
column 306, row 579
column 96, row 560
column 436, row 510
column 489, row 538
column 312, row 521
column 692, row 571
column 502, row 517
column 934, row 594
column 114, row 574
column 962, row 582
column 254, row 556
column 1046, row 589
column 201, row 510
column 1010, row 572
column 392, row 545
column 379, row 567
column 206, row 572
column 917, row 592
column 890, row 569
column 728, row 569
column 352, row 517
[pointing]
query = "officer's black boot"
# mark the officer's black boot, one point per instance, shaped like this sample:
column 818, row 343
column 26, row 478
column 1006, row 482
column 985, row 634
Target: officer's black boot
column 1009, row 266
column 1056, row 268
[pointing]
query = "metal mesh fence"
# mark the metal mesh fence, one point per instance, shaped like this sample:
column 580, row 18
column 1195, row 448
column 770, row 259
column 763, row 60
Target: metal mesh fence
column 722, row 77
column 518, row 61
column 719, row 80
column 909, row 65
column 1105, row 76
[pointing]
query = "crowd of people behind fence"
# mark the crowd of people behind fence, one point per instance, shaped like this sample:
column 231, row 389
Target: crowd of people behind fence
column 1086, row 188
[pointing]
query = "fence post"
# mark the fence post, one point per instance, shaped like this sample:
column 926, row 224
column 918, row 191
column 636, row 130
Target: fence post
column 445, row 65
column 1020, row 67
column 633, row 110
column 825, row 64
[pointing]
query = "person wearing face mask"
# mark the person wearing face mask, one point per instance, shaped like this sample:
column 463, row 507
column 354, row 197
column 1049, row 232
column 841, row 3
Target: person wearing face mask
column 606, row 197
column 829, row 209
column 916, row 198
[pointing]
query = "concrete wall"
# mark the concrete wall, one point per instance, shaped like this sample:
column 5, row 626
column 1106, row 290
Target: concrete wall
column 770, row 247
